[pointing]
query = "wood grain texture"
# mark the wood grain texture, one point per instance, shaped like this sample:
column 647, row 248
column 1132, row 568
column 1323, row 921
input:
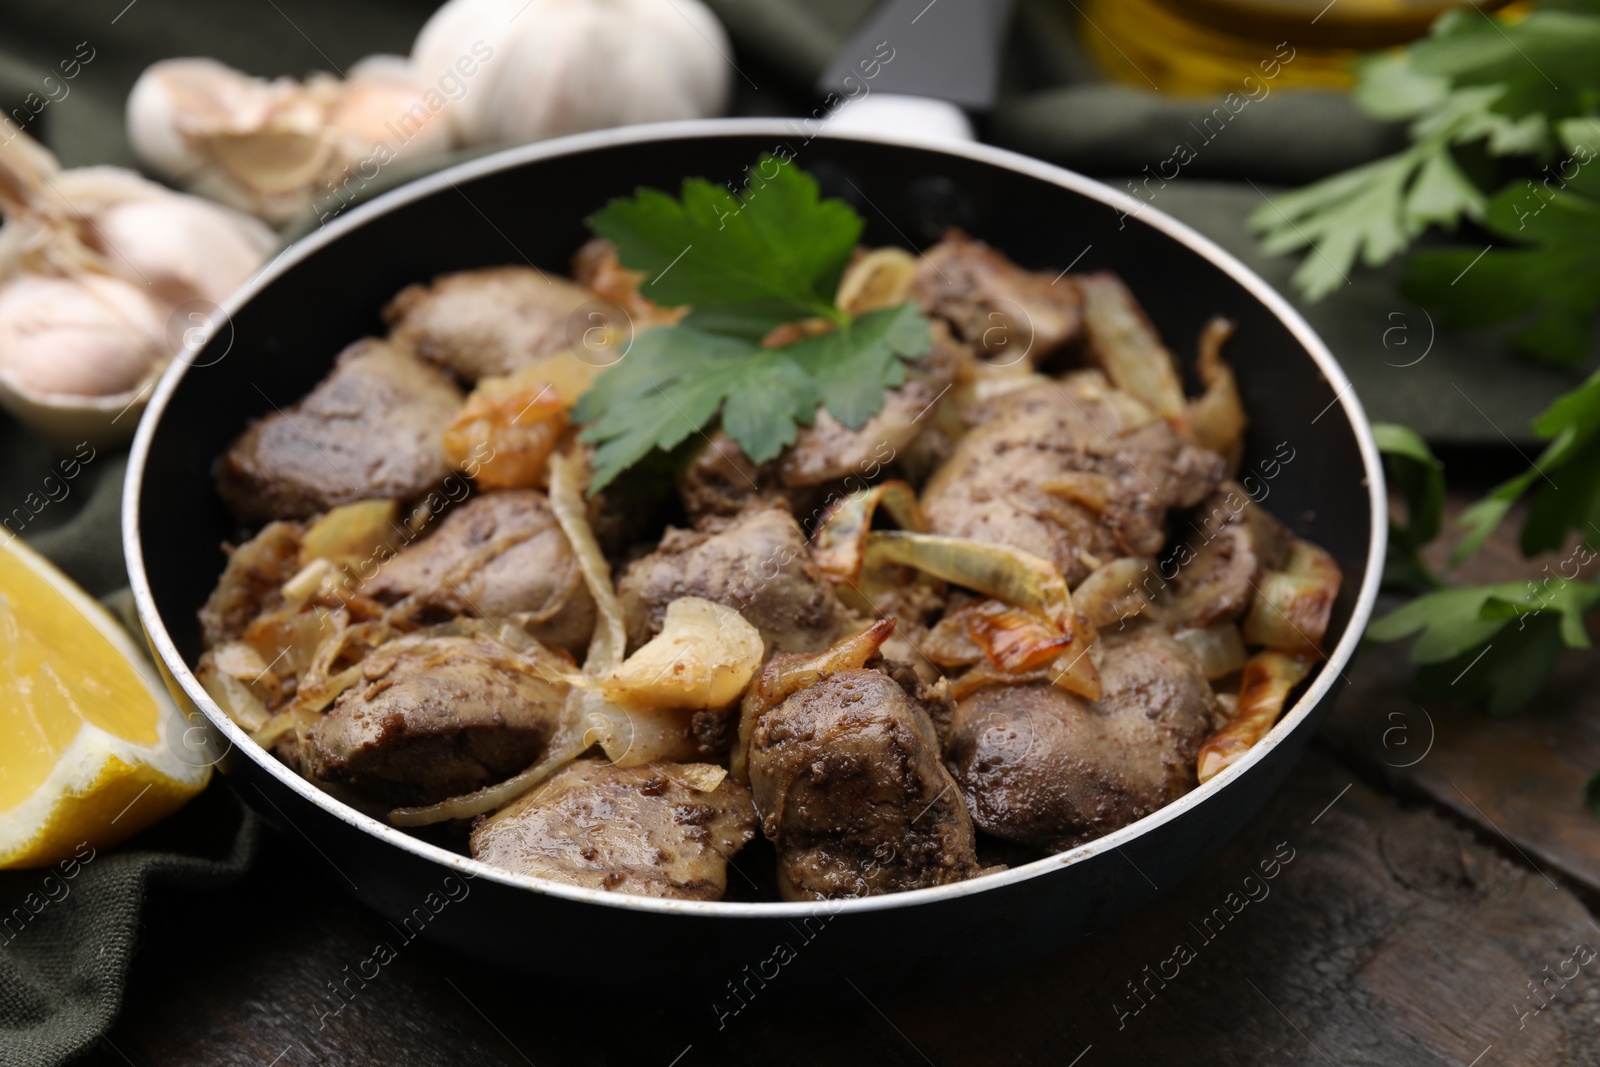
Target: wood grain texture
column 1520, row 777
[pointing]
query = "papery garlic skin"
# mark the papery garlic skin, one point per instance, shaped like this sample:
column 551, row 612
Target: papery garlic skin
column 173, row 99
column 543, row 68
column 386, row 104
column 272, row 148
column 95, row 263
column 90, row 336
column 184, row 248
column 180, row 248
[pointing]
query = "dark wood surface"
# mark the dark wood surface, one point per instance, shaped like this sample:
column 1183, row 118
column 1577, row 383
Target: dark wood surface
column 1443, row 878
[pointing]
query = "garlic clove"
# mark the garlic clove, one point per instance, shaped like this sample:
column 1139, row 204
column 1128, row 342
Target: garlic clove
column 272, row 148
column 66, row 421
column 90, row 336
column 77, row 357
column 93, row 264
column 271, row 162
column 177, row 101
column 183, row 248
column 393, row 113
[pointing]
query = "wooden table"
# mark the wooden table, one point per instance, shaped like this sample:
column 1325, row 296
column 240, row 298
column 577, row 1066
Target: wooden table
column 1444, row 876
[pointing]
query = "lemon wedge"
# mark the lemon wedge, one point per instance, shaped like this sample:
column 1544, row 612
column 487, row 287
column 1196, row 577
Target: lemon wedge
column 92, row 748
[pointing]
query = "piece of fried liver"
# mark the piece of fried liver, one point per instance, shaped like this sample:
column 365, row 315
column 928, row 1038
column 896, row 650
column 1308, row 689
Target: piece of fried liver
column 499, row 553
column 436, row 717
column 650, row 830
column 369, row 430
column 1042, row 767
column 847, row 778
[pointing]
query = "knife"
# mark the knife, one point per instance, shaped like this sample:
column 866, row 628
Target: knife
column 919, row 66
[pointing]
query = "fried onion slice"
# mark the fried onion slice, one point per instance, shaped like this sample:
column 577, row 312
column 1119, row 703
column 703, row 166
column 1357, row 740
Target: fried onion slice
column 1268, row 679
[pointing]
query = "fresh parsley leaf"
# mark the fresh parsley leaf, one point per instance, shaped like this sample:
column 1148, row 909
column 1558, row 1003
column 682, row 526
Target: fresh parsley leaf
column 1499, row 643
column 1419, row 477
column 1564, row 599
column 1482, row 518
column 1544, row 62
column 671, row 383
column 1356, row 214
column 1566, row 475
column 873, row 347
column 1551, row 281
column 1448, row 622
column 1504, row 675
column 771, row 396
column 1475, row 80
column 745, row 264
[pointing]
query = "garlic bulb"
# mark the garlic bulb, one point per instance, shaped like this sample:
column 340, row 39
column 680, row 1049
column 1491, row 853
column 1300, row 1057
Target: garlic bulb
column 180, row 248
column 541, row 68
column 93, row 263
column 89, row 336
column 272, row 148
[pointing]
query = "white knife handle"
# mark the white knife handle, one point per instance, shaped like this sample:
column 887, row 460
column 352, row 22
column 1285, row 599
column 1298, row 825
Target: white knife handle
column 892, row 113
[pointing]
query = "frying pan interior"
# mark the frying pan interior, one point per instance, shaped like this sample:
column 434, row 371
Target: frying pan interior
column 1305, row 460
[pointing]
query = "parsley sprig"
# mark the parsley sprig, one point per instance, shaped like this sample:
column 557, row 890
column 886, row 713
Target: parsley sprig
column 1498, row 643
column 1480, row 94
column 744, row 264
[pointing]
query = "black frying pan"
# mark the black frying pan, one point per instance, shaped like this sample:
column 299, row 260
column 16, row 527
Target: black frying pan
column 528, row 205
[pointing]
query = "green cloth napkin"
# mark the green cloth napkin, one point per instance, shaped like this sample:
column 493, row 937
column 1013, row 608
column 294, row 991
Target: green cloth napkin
column 69, row 931
column 62, row 975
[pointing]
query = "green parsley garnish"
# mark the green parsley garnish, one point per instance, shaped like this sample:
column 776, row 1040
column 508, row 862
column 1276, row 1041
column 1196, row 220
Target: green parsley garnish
column 1504, row 117
column 744, row 265
column 1480, row 96
column 1497, row 643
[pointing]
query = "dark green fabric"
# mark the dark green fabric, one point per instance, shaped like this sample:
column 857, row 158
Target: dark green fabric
column 61, row 976
column 69, row 932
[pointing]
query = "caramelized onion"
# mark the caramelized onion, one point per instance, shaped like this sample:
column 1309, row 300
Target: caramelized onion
column 1216, row 417
column 880, row 279
column 296, row 719
column 633, row 736
column 1218, row 649
column 232, row 694
column 1268, row 679
column 245, row 664
column 316, row 694
column 701, row 777
column 840, row 543
column 1291, row 607
column 1113, row 591
column 1128, row 348
column 566, row 500
column 1072, row 669
column 1014, row 639
column 949, row 643
column 350, row 534
column 703, row 657
column 1093, row 491
column 1016, row 577
column 503, row 436
column 288, row 639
